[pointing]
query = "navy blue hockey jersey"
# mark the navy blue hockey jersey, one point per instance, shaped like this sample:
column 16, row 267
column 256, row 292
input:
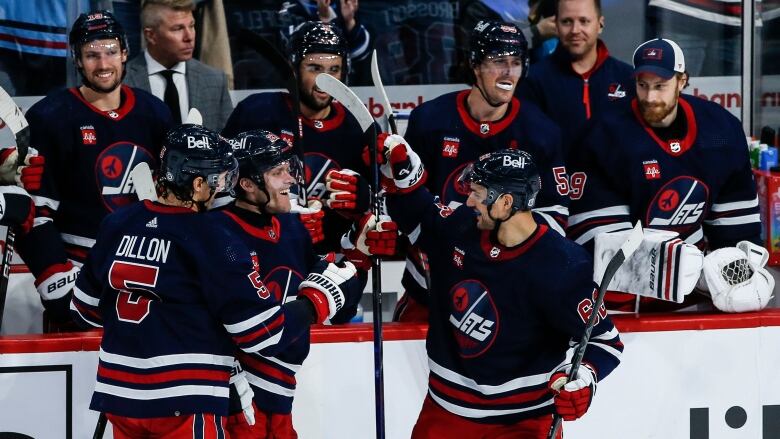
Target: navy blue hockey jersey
column 700, row 186
column 176, row 294
column 448, row 139
column 332, row 143
column 89, row 155
column 282, row 254
column 501, row 319
column 571, row 99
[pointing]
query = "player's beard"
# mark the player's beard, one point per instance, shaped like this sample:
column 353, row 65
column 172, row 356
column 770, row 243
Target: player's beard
column 101, row 89
column 308, row 99
column 657, row 111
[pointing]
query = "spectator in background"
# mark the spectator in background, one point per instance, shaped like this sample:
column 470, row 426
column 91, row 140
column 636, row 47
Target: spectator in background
column 343, row 14
column 580, row 80
column 167, row 68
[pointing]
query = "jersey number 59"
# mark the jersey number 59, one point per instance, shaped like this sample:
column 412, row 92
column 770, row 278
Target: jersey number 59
column 133, row 301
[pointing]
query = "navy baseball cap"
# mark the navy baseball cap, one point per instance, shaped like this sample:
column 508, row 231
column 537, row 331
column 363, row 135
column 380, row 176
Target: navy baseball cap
column 660, row 57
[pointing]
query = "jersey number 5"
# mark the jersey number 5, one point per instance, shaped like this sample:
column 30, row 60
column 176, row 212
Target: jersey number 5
column 133, row 301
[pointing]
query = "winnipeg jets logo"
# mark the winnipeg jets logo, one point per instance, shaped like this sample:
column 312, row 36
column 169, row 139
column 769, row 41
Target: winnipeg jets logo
column 474, row 318
column 112, row 169
column 652, row 53
column 679, row 204
column 615, row 92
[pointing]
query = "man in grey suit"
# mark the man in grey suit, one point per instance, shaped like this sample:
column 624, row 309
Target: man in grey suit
column 167, row 69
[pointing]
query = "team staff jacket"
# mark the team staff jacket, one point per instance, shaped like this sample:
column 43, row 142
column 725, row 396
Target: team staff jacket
column 175, row 294
column 447, row 139
column 89, row 155
column 700, row 185
column 282, row 254
column 335, row 142
column 501, row 319
column 571, row 99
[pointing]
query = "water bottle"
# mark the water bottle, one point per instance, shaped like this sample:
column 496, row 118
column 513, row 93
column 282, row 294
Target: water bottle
column 358, row 315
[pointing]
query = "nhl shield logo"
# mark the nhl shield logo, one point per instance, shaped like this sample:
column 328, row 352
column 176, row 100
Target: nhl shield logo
column 112, row 114
column 494, row 252
column 318, row 124
column 484, row 128
column 474, row 318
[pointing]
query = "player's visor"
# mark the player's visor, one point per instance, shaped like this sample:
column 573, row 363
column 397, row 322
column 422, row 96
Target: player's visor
column 226, row 180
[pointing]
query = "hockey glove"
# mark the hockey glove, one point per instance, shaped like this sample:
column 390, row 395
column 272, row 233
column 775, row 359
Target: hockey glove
column 401, row 168
column 311, row 217
column 18, row 208
column 239, row 382
column 348, row 191
column 573, row 398
column 369, row 237
column 27, row 174
column 330, row 286
column 736, row 278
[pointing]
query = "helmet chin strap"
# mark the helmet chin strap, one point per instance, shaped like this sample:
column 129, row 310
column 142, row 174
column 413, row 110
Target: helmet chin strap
column 484, row 96
column 497, row 221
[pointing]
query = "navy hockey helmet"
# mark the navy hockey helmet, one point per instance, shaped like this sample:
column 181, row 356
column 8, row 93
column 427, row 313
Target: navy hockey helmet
column 190, row 151
column 96, row 25
column 508, row 171
column 258, row 151
column 318, row 37
column 493, row 39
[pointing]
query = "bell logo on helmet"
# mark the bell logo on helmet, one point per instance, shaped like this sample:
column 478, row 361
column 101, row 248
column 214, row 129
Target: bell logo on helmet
column 515, row 163
column 482, row 25
column 194, row 142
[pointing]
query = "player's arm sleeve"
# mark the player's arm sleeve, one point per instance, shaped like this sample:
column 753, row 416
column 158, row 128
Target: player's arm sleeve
column 88, row 289
column 256, row 322
column 572, row 297
column 552, row 202
column 359, row 42
column 598, row 204
column 734, row 215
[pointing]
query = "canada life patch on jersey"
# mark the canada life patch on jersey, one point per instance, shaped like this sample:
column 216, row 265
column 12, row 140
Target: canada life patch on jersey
column 679, row 205
column 652, row 170
column 88, row 135
column 112, row 173
column 454, row 192
column 317, row 166
column 450, row 147
column 282, row 283
column 474, row 318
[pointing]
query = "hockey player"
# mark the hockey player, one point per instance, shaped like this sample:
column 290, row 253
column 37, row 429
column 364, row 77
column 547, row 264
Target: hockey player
column 92, row 136
column 669, row 160
column 580, row 80
column 332, row 137
column 283, row 257
column 177, row 293
column 509, row 295
column 452, row 130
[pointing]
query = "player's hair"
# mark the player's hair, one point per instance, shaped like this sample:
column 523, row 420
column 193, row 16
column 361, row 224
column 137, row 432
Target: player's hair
column 596, row 3
column 684, row 77
column 150, row 10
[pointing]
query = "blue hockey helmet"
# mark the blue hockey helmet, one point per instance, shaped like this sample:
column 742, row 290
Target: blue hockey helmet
column 494, row 39
column 508, row 171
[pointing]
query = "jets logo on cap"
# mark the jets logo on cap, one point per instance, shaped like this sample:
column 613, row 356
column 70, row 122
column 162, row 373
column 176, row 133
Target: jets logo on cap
column 652, row 53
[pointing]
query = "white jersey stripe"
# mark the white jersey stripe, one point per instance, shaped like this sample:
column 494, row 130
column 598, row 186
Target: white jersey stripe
column 478, row 413
column 555, row 225
column 735, row 220
column 165, row 360
column 237, row 328
column 590, row 234
column 294, row 368
column 269, row 386
column 736, row 205
column 77, row 240
column 168, row 392
column 73, row 308
column 265, row 343
column 607, row 211
column 84, row 297
column 44, row 201
column 485, row 389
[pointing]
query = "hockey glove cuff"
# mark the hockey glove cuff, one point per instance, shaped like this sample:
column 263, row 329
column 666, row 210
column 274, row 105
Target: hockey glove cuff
column 324, row 287
column 573, row 398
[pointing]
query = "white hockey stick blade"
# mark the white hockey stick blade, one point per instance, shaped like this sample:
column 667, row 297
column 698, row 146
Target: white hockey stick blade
column 194, row 117
column 7, row 136
column 633, row 241
column 380, row 88
column 11, row 113
column 143, row 182
column 347, row 97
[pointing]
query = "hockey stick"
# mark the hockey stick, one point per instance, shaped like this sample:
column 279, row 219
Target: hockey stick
column 389, row 115
column 626, row 250
column 14, row 132
column 143, row 182
column 100, row 427
column 355, row 106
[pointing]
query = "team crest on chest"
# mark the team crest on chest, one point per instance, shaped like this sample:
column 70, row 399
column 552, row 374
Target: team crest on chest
column 474, row 318
column 112, row 173
column 88, row 135
column 450, row 147
column 484, row 128
column 615, row 92
column 652, row 170
column 282, row 283
column 679, row 205
column 457, row 257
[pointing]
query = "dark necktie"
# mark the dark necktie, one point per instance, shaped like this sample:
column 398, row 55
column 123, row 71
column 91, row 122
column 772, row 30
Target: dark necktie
column 171, row 97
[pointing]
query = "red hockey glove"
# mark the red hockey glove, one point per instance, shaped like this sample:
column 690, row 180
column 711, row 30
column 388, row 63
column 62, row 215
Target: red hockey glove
column 573, row 398
column 30, row 173
column 369, row 237
column 347, row 191
column 401, row 168
column 19, row 209
column 311, row 217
